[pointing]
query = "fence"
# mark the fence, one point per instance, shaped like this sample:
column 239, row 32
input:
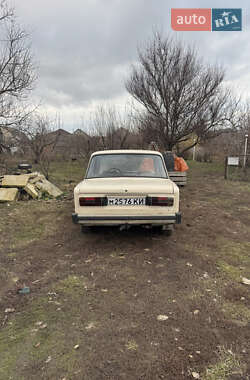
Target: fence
column 237, row 168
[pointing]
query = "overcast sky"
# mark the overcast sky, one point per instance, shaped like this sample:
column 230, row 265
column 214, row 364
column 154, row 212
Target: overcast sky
column 84, row 48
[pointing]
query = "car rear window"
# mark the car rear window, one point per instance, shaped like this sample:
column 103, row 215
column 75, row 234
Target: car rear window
column 126, row 165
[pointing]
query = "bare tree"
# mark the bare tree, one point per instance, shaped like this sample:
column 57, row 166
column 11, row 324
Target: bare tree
column 41, row 140
column 82, row 143
column 16, row 69
column 2, row 145
column 180, row 95
column 243, row 122
column 112, row 127
column 82, row 146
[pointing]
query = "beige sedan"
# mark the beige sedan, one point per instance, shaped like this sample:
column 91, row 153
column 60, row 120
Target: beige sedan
column 126, row 187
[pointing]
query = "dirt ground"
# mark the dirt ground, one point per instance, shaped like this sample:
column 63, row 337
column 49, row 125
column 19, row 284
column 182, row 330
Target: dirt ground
column 95, row 298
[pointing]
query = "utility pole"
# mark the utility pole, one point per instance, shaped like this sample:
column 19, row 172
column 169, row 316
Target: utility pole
column 245, row 151
column 193, row 152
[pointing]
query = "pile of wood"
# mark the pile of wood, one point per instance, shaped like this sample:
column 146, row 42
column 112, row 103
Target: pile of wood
column 26, row 186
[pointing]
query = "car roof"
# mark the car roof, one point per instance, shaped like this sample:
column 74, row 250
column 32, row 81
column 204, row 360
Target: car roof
column 128, row 151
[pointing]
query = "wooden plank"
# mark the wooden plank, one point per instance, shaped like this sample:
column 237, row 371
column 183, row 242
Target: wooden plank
column 178, row 174
column 180, row 178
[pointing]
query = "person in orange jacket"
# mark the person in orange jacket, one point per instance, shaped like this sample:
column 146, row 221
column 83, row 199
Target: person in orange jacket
column 180, row 164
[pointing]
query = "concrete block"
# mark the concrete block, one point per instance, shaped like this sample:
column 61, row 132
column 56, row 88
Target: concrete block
column 49, row 188
column 8, row 195
column 15, row 180
column 35, row 177
column 31, row 190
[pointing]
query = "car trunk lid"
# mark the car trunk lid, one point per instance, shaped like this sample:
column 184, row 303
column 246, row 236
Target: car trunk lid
column 126, row 186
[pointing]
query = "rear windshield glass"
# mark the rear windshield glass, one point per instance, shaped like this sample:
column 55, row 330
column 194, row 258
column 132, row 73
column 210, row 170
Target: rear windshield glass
column 126, row 165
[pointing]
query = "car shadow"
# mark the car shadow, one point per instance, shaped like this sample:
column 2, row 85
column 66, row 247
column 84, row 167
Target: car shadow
column 124, row 230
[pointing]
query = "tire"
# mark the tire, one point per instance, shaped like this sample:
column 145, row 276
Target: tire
column 168, row 232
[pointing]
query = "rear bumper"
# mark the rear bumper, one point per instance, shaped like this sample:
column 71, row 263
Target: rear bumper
column 102, row 220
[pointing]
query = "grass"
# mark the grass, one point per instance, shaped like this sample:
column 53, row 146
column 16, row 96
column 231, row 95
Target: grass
column 234, row 260
column 30, row 221
column 63, row 173
column 19, row 333
column 234, row 273
column 238, row 174
column 29, row 232
column 205, row 168
column 216, row 169
column 227, row 364
column 131, row 345
column 24, row 338
column 72, row 286
column 237, row 311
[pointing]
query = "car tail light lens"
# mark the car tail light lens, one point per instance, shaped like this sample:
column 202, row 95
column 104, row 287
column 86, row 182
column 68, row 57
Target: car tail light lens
column 92, row 201
column 160, row 201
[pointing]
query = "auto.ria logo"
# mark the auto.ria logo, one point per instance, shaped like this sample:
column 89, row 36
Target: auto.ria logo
column 226, row 19
column 206, row 19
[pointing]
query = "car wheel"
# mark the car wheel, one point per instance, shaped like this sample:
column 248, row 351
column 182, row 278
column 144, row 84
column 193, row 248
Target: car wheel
column 168, row 231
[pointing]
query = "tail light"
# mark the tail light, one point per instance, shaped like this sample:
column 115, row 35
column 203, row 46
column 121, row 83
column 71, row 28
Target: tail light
column 160, row 201
column 93, row 201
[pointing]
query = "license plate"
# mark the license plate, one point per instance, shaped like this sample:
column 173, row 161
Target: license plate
column 126, row 201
